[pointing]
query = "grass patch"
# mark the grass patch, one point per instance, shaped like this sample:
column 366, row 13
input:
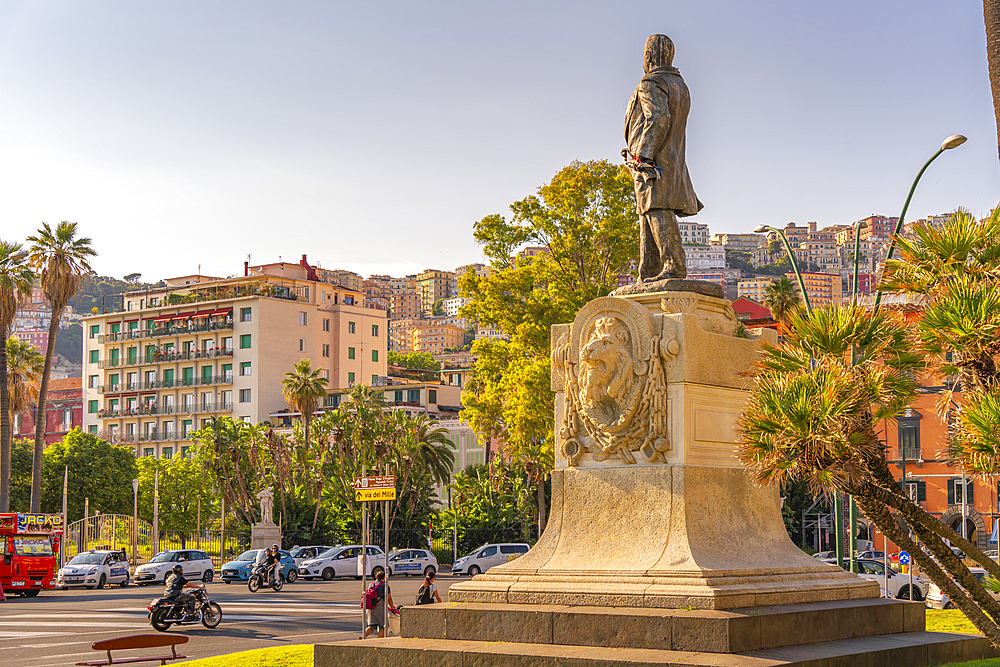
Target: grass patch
column 994, row 662
column 950, row 620
column 299, row 655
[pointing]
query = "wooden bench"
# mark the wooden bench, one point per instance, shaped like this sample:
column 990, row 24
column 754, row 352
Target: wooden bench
column 138, row 641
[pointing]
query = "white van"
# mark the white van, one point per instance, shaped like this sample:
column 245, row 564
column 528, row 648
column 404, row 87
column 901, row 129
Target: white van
column 488, row 555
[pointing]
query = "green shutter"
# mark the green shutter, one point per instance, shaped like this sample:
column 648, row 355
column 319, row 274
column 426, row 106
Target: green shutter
column 95, row 329
column 91, row 407
column 188, row 375
column 113, row 379
column 245, row 341
column 115, row 328
column 921, row 491
column 94, row 356
column 970, row 488
column 350, row 353
column 951, row 492
column 206, row 374
column 374, row 355
column 114, row 356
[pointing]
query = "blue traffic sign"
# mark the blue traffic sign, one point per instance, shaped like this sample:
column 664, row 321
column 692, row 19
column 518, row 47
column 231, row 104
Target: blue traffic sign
column 904, row 558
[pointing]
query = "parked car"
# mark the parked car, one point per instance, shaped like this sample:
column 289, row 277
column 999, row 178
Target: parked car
column 412, row 561
column 937, row 599
column 239, row 568
column 300, row 554
column 823, row 555
column 197, row 566
column 898, row 584
column 94, row 569
column 873, row 555
column 487, row 556
column 342, row 562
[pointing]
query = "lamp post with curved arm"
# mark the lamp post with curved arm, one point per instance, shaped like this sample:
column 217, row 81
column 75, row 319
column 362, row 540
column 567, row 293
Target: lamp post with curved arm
column 760, row 229
column 954, row 141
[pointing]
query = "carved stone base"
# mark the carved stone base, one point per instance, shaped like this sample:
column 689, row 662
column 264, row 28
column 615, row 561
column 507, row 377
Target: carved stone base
column 263, row 535
column 668, row 536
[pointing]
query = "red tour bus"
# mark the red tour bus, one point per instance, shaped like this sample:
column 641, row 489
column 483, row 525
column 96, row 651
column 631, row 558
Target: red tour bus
column 29, row 546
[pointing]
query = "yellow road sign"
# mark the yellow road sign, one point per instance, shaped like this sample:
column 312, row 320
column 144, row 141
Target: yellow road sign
column 365, row 495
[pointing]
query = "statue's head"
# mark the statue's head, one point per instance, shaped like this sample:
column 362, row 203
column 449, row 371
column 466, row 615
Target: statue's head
column 659, row 52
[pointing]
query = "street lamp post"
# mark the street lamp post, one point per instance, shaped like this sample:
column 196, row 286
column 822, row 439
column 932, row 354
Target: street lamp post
column 760, row 229
column 135, row 518
column 954, row 141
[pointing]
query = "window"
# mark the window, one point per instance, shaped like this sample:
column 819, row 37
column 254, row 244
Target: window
column 91, row 407
column 244, row 368
column 227, row 343
column 412, row 395
column 95, row 329
column 374, row 355
column 186, row 428
column 917, row 491
column 245, row 315
column 375, row 330
column 302, row 345
column 350, row 327
column 92, row 429
column 326, row 374
column 184, row 451
column 955, row 491
column 350, row 353
column 168, row 452
column 93, row 382
column 326, row 350
column 245, row 342
column 116, row 327
column 148, row 451
column 397, row 396
column 909, row 439
column 432, row 396
column 302, row 319
column 374, row 380
column 326, row 325
column 244, row 395
column 67, row 419
column 350, row 378
column 94, row 355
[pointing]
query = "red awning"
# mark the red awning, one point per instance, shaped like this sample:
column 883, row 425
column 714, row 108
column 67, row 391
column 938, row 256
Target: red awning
column 222, row 311
column 134, row 319
column 182, row 316
column 165, row 318
column 202, row 314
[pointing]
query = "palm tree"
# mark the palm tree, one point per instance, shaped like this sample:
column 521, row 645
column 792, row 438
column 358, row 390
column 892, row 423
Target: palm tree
column 991, row 17
column 537, row 460
column 61, row 259
column 812, row 413
column 16, row 280
column 303, row 388
column 25, row 364
column 781, row 298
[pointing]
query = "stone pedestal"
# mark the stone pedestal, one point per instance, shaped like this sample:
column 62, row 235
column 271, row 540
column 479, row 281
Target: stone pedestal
column 650, row 506
column 263, row 535
column 660, row 549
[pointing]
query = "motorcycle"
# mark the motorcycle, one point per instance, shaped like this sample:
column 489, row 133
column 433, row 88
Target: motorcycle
column 165, row 612
column 260, row 578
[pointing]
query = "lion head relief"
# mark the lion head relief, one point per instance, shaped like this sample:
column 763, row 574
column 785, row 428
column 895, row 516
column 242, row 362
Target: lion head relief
column 607, row 378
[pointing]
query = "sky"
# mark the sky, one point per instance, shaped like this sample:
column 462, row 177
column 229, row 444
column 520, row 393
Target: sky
column 187, row 136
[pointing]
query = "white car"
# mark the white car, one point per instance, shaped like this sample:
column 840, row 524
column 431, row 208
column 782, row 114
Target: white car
column 412, row 561
column 197, row 566
column 898, row 583
column 300, row 554
column 342, row 562
column 487, row 556
column 937, row 599
column 94, row 569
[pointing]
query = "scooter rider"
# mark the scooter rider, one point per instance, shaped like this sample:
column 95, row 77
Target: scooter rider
column 176, row 583
column 272, row 561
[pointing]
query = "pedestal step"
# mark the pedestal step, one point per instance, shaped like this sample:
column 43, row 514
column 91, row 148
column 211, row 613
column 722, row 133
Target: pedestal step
column 911, row 649
column 713, row 631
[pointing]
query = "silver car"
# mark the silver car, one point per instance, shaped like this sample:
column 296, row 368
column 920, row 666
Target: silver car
column 487, row 556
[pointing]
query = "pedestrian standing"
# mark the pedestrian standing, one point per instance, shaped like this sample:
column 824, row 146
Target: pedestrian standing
column 377, row 614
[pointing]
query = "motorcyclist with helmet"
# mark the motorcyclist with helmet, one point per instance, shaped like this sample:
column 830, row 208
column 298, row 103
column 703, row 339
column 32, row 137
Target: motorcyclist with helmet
column 272, row 562
column 176, row 583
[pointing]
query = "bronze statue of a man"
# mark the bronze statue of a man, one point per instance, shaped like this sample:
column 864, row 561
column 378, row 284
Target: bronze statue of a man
column 655, row 133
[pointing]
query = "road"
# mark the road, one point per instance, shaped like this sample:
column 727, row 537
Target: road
column 57, row 627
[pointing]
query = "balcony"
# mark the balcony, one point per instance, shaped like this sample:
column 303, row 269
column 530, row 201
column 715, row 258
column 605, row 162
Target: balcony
column 168, row 330
column 909, row 453
column 166, row 357
column 140, row 411
column 125, row 388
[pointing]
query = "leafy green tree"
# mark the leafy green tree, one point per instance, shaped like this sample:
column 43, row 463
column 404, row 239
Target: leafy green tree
column 16, row 280
column 98, row 470
column 69, row 343
column 61, row 260
column 183, row 482
column 487, row 506
column 438, row 308
column 585, row 217
column 237, row 458
column 418, row 361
